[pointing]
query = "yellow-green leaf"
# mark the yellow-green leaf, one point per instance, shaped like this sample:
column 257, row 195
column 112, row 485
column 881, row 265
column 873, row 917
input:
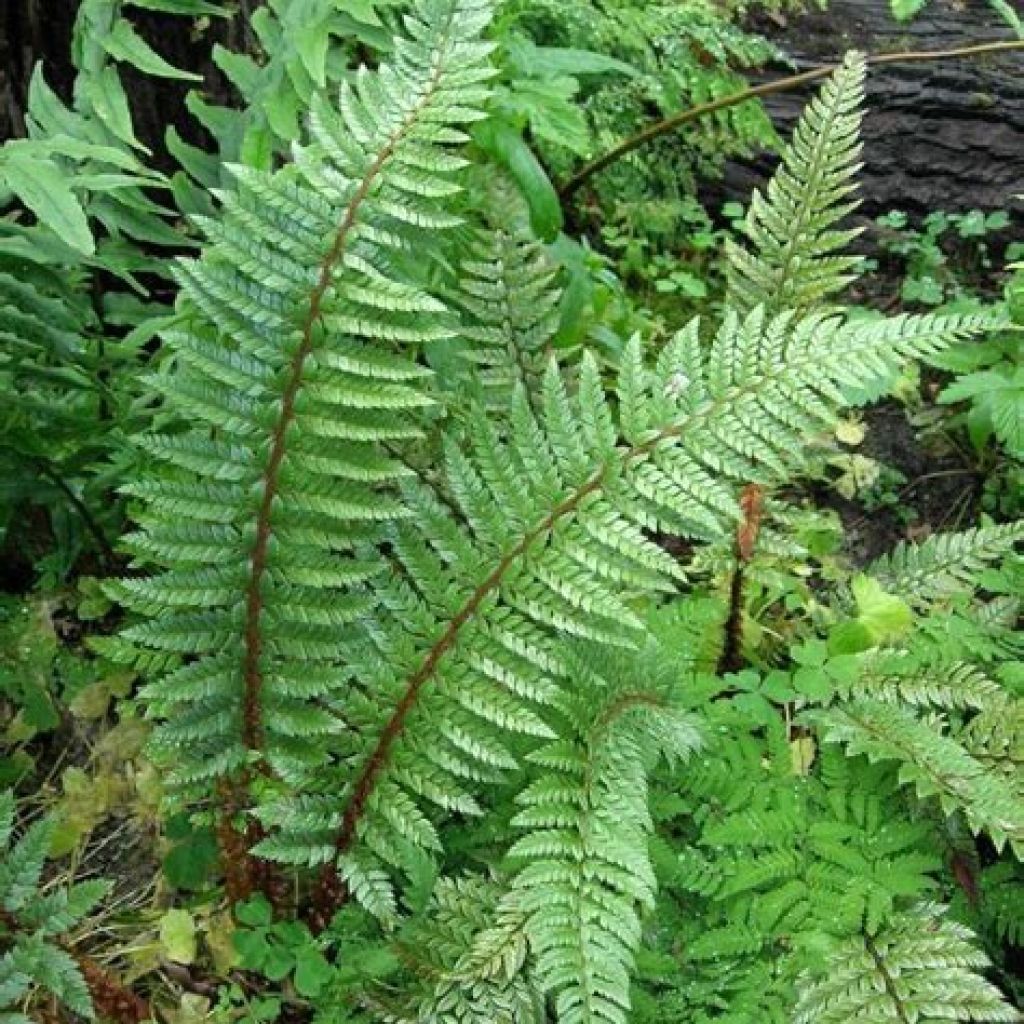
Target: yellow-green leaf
column 178, row 936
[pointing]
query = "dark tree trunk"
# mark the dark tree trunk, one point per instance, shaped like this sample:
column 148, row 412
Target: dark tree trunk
column 944, row 135
column 40, row 30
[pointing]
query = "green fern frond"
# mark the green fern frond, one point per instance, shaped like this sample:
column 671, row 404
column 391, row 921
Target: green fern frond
column 31, row 921
column 1001, row 903
column 995, row 737
column 923, row 967
column 469, row 956
column 944, row 563
column 554, row 545
column 508, row 289
column 914, row 678
column 296, row 362
column 794, row 259
column 933, row 762
column 587, row 870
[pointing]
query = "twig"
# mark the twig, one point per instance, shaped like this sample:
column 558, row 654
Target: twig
column 670, row 124
column 107, row 554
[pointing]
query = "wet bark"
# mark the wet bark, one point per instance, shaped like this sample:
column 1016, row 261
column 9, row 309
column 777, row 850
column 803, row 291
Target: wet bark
column 945, row 135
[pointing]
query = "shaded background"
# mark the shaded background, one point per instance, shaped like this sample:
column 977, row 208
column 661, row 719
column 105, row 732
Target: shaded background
column 939, row 136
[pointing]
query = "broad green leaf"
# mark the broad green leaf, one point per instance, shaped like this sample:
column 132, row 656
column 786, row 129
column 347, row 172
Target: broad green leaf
column 110, row 103
column 76, row 149
column 282, row 107
column 533, row 61
column 241, row 70
column 124, row 43
column 46, row 109
column 255, row 912
column 506, row 145
column 46, row 191
column 312, row 42
column 192, row 860
column 312, row 972
column 551, row 108
column 362, row 10
column 200, row 165
column 884, row 615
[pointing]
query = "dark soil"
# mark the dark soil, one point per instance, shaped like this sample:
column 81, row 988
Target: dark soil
column 941, row 491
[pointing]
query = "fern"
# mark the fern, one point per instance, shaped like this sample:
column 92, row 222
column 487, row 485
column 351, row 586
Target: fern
column 587, row 819
column 346, row 655
column 945, row 562
column 74, row 297
column 507, row 288
column 795, row 258
column 668, row 57
column 934, row 763
column 921, row 968
column 466, row 958
column 31, row 923
column 554, row 514
column 281, row 474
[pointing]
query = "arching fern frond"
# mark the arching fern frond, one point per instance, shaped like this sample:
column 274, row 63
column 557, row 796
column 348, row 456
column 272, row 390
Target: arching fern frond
column 922, row 967
column 553, row 546
column 933, row 763
column 944, row 563
column 794, row 255
column 587, row 870
column 290, row 370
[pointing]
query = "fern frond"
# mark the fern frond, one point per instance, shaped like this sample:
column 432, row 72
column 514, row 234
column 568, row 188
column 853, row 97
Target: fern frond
column 587, row 867
column 794, row 258
column 944, row 563
column 508, row 289
column 923, row 967
column 934, row 763
column 995, row 737
column 469, row 956
column 296, row 362
column 554, row 544
column 32, row 921
column 906, row 678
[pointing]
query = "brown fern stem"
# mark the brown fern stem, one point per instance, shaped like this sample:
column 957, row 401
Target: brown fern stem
column 112, row 999
column 752, row 510
column 252, row 723
column 331, row 892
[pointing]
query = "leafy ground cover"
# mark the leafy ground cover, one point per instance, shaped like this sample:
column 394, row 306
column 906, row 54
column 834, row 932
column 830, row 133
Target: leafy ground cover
column 435, row 594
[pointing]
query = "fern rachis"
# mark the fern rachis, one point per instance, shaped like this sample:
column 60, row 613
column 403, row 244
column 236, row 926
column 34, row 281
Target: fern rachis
column 291, row 347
